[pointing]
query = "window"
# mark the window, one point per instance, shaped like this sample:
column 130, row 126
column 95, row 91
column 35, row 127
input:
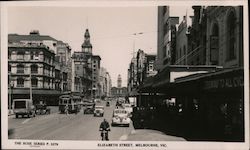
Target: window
column 77, row 67
column 231, row 23
column 214, row 45
column 164, row 51
column 9, row 55
column 34, row 68
column 20, row 55
column 34, row 55
column 20, row 68
column 20, row 82
column 34, row 82
column 9, row 68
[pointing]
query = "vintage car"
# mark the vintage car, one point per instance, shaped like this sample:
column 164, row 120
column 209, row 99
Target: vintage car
column 42, row 109
column 120, row 117
column 97, row 101
column 24, row 107
column 88, row 110
column 128, row 108
column 99, row 111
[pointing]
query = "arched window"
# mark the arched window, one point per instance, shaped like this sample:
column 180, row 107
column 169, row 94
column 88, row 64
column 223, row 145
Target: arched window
column 214, row 45
column 34, row 68
column 20, row 68
column 34, row 82
column 231, row 41
column 20, row 82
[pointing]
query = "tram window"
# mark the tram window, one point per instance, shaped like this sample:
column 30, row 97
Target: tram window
column 70, row 101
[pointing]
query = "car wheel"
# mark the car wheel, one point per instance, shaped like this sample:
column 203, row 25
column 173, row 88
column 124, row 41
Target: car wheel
column 28, row 115
column 16, row 115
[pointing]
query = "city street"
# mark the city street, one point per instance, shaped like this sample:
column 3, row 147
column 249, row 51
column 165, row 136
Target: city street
column 58, row 126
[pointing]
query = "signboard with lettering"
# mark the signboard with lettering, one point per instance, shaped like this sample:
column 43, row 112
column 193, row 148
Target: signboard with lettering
column 233, row 82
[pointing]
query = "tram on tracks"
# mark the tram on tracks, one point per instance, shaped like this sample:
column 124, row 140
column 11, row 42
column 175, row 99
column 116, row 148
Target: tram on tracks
column 70, row 102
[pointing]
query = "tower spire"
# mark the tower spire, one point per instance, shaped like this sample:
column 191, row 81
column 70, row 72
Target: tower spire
column 87, row 46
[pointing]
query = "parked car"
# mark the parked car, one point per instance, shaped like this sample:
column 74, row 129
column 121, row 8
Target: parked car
column 42, row 109
column 128, row 108
column 99, row 111
column 24, row 107
column 120, row 117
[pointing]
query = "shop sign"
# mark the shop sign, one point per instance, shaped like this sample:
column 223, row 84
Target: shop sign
column 224, row 83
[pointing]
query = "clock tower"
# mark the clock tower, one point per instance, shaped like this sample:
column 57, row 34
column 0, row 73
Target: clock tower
column 86, row 45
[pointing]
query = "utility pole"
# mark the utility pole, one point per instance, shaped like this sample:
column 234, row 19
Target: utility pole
column 31, row 88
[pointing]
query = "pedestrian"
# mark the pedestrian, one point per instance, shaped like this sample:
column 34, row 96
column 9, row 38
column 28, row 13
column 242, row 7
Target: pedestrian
column 67, row 109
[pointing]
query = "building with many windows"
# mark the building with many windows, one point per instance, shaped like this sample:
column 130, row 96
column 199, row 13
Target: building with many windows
column 86, row 70
column 166, row 39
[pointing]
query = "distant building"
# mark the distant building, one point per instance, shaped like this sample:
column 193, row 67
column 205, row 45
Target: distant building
column 132, row 75
column 105, row 83
column 140, row 68
column 119, row 91
column 86, row 70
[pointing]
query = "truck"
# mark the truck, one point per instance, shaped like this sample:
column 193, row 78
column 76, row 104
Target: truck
column 24, row 107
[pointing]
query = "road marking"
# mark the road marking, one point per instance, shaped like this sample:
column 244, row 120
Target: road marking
column 25, row 121
column 124, row 137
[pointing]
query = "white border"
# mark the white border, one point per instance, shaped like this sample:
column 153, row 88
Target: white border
column 93, row 144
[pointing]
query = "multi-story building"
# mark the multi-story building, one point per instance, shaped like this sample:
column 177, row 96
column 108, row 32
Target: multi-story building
column 86, row 70
column 64, row 53
column 105, row 83
column 109, row 84
column 31, row 64
column 149, row 66
column 224, row 38
column 81, row 74
column 197, row 37
column 166, row 39
column 132, row 76
column 96, row 60
column 182, row 43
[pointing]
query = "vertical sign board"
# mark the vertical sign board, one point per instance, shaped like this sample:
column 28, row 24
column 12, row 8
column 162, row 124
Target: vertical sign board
column 214, row 49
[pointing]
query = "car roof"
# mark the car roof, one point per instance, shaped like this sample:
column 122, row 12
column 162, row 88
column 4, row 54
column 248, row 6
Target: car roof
column 99, row 106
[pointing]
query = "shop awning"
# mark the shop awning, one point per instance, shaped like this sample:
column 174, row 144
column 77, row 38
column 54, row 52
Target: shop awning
column 35, row 91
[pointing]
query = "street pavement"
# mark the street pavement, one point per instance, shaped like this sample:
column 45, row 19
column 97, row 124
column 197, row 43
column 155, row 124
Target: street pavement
column 56, row 126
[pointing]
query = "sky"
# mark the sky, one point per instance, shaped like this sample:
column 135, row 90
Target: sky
column 111, row 30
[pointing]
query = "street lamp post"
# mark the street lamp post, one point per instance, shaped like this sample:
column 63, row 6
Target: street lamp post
column 31, row 88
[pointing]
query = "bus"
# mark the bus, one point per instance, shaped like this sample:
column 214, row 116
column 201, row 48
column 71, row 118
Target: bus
column 72, row 101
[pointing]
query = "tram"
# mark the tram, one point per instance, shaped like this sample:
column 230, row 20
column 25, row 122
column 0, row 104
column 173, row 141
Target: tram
column 72, row 101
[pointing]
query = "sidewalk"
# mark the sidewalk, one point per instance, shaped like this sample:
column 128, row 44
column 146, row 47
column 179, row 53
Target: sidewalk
column 150, row 135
